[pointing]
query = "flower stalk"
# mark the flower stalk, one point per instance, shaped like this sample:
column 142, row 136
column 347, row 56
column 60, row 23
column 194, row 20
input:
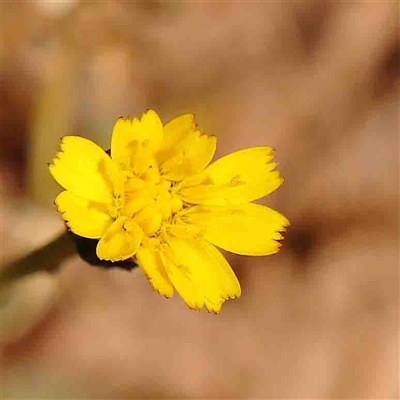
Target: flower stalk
column 46, row 258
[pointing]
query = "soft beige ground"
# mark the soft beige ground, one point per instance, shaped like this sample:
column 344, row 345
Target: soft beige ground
column 319, row 82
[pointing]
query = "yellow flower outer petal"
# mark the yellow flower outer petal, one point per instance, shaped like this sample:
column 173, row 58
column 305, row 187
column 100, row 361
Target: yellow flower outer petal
column 248, row 229
column 84, row 169
column 189, row 156
column 149, row 261
column 199, row 273
column 237, row 178
column 121, row 241
column 174, row 131
column 135, row 142
column 85, row 218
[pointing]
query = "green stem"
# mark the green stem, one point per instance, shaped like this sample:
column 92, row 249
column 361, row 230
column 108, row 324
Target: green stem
column 46, row 258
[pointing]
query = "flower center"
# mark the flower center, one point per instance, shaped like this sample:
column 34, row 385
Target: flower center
column 149, row 200
column 115, row 209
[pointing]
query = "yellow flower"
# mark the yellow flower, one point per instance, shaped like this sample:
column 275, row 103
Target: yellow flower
column 156, row 200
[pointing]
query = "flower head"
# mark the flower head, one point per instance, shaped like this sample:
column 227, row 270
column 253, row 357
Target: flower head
column 156, row 200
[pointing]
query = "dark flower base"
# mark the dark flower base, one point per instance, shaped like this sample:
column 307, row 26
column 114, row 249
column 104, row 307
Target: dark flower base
column 86, row 248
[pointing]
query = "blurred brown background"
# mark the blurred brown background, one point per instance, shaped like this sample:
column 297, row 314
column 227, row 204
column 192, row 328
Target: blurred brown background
column 317, row 80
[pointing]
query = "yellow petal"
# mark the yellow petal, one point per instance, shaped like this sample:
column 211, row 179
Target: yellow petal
column 85, row 218
column 121, row 241
column 134, row 142
column 188, row 156
column 174, row 132
column 149, row 219
column 84, row 169
column 121, row 138
column 249, row 229
column 237, row 178
column 150, row 263
column 135, row 200
column 199, row 273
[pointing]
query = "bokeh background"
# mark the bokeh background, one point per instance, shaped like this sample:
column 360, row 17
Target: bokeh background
column 317, row 80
